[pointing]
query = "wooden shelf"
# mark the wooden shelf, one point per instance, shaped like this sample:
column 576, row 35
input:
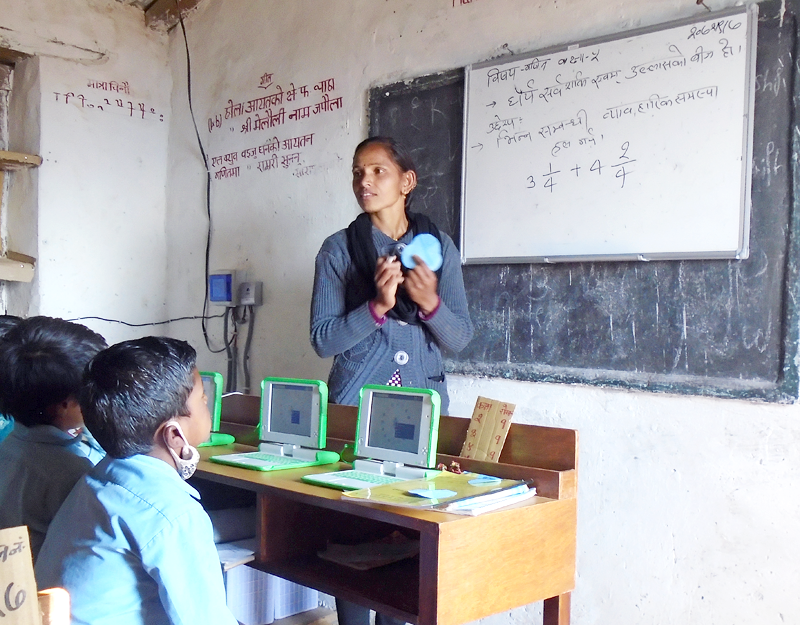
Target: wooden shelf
column 16, row 267
column 15, row 270
column 10, row 161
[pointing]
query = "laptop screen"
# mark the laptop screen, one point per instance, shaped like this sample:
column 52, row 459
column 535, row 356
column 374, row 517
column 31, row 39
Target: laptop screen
column 212, row 385
column 396, row 422
column 398, row 425
column 293, row 412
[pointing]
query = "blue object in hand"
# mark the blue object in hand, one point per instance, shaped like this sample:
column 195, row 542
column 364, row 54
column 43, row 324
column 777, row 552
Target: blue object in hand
column 484, row 480
column 441, row 493
column 427, row 247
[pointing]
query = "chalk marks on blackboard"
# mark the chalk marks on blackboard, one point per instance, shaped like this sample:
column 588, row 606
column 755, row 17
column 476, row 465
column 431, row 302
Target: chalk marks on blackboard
column 772, row 80
column 710, row 327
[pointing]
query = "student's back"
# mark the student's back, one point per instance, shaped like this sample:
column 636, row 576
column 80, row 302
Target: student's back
column 39, row 465
column 7, row 322
column 47, row 452
column 131, row 544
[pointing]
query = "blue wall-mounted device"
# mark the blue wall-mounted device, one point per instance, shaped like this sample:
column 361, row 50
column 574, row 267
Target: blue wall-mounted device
column 223, row 287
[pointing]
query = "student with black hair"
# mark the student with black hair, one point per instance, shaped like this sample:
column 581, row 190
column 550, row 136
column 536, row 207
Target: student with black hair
column 131, row 543
column 49, row 450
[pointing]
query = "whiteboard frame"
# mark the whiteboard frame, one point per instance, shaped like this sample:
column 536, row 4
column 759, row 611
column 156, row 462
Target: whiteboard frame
column 743, row 251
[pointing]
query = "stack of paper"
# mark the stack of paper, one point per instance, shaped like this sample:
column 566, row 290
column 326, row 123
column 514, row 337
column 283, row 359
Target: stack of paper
column 465, row 493
column 235, row 553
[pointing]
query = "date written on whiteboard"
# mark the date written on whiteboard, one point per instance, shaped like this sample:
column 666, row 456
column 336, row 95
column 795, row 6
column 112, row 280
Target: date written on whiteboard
column 620, row 170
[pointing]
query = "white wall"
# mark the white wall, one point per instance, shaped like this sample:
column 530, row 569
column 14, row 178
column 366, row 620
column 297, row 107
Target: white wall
column 93, row 214
column 688, row 507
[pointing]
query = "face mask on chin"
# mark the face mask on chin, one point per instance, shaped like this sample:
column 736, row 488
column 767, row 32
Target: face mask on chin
column 186, row 463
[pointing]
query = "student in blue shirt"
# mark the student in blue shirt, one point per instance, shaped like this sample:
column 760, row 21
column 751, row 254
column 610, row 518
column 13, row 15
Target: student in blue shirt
column 6, row 423
column 131, row 543
column 48, row 450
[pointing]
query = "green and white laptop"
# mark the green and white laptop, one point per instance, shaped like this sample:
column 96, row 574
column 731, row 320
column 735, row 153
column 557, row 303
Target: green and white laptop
column 396, row 437
column 212, row 385
column 292, row 427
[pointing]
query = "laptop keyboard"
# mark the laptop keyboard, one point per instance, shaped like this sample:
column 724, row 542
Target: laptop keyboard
column 351, row 479
column 273, row 459
column 366, row 476
column 260, row 459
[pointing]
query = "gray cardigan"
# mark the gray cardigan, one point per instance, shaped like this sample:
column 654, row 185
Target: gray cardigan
column 365, row 352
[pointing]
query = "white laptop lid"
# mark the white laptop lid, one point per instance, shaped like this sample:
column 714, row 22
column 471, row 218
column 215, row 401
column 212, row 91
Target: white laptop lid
column 398, row 424
column 294, row 412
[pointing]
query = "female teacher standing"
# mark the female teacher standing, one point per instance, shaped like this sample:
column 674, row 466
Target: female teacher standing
column 384, row 324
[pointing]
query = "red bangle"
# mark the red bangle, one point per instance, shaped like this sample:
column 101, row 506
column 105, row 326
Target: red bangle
column 427, row 317
column 379, row 320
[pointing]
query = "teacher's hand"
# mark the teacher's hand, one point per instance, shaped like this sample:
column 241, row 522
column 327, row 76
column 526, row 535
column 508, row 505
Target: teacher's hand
column 388, row 276
column 421, row 286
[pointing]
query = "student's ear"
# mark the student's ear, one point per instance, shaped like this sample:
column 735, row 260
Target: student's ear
column 65, row 415
column 170, row 435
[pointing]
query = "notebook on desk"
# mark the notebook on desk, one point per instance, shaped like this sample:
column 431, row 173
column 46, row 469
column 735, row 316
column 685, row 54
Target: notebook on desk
column 292, row 427
column 396, row 438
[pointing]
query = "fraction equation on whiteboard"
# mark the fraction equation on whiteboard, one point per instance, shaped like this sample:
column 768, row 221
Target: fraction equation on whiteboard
column 553, row 177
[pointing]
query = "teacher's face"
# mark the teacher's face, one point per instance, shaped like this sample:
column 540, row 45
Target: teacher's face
column 378, row 183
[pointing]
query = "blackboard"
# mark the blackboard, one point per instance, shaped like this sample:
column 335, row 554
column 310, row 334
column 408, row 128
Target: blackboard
column 634, row 146
column 426, row 116
column 725, row 328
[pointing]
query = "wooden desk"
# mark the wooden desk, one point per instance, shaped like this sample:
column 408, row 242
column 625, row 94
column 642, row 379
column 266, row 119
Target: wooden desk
column 468, row 567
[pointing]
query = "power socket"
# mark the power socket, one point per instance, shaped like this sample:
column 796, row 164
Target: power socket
column 250, row 294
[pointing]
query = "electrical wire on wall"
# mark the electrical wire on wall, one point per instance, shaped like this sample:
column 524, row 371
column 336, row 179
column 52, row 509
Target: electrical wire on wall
column 149, row 323
column 208, row 187
column 246, row 356
column 230, row 317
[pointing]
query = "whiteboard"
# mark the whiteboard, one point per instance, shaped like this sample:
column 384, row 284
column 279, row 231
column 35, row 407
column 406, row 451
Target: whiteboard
column 637, row 147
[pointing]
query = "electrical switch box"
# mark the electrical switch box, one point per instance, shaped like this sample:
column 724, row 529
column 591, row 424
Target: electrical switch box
column 250, row 294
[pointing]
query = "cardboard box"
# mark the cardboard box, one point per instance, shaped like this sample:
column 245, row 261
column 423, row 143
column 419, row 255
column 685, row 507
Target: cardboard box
column 487, row 429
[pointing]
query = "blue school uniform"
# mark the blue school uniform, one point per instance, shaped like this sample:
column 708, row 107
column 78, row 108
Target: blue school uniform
column 6, row 425
column 133, row 546
column 39, row 466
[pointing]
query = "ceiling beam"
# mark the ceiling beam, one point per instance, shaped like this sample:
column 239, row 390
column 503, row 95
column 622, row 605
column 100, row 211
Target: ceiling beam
column 164, row 13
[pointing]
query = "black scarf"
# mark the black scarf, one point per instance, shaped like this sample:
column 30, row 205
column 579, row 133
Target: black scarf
column 362, row 251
